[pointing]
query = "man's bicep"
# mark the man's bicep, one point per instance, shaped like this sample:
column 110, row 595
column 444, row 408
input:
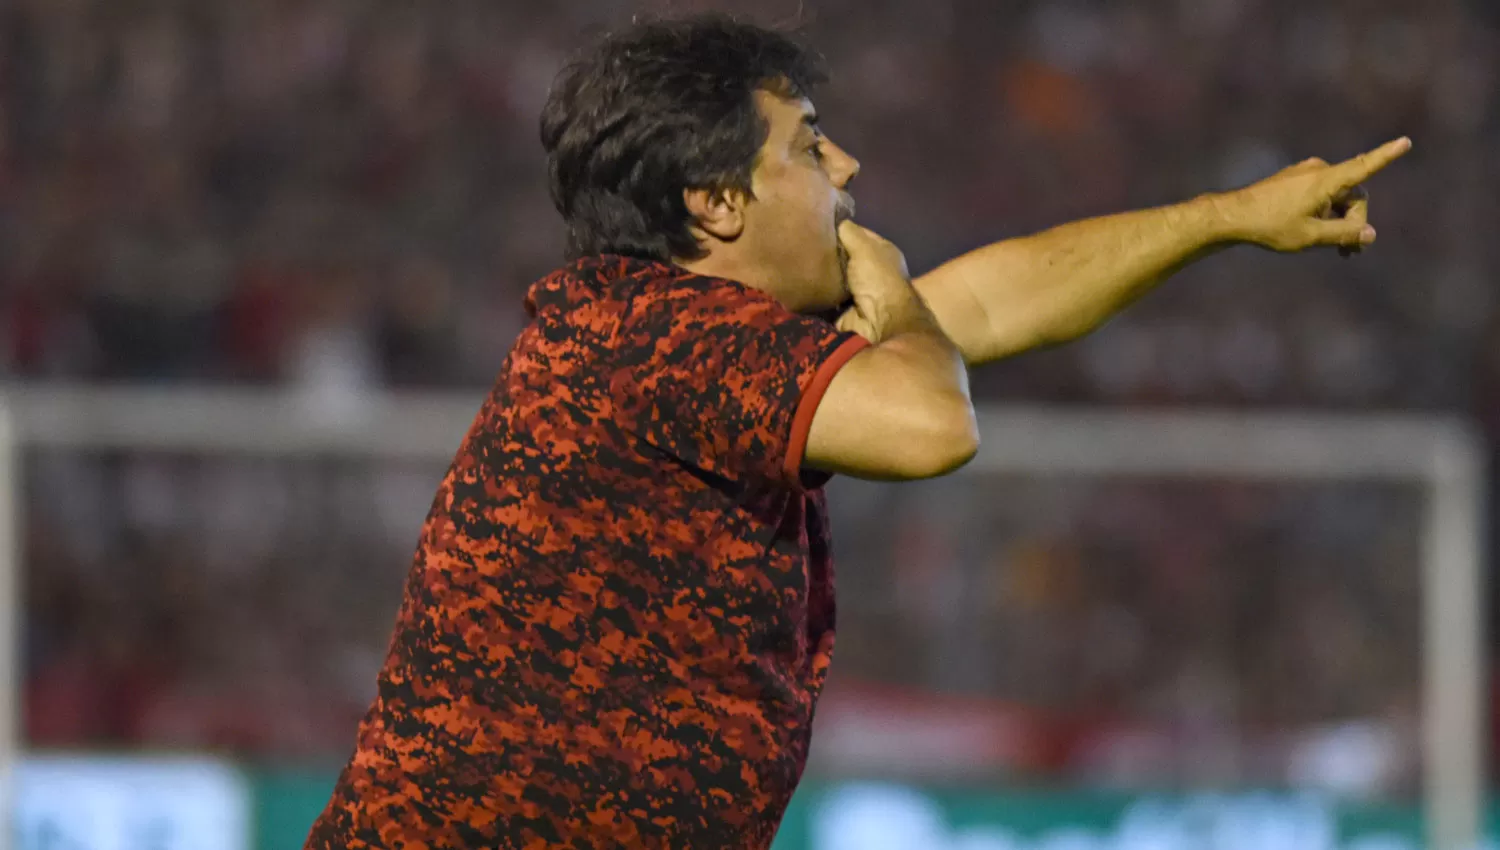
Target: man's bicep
column 878, row 419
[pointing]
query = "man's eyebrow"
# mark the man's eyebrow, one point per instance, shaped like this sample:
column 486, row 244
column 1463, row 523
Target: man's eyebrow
column 810, row 124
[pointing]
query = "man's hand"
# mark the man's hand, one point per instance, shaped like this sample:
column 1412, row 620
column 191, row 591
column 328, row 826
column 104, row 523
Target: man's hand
column 878, row 281
column 1310, row 204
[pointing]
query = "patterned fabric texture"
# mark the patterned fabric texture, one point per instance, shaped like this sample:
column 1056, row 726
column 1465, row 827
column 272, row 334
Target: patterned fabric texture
column 621, row 609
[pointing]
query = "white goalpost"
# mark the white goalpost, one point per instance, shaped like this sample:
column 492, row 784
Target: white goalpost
column 10, row 614
column 1443, row 456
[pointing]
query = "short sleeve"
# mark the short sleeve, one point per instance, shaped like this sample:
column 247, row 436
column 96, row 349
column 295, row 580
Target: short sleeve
column 724, row 378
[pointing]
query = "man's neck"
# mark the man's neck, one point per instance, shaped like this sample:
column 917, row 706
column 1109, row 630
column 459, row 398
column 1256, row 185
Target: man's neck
column 721, row 265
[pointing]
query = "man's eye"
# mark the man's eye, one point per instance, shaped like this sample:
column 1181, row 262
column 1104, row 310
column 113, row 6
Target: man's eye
column 817, row 151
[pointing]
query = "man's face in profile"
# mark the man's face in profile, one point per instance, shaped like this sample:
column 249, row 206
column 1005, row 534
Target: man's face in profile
column 800, row 183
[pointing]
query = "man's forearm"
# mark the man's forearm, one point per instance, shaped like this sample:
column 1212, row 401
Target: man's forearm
column 1062, row 283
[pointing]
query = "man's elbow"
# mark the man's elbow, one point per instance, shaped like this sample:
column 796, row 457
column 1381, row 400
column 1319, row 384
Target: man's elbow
column 951, row 441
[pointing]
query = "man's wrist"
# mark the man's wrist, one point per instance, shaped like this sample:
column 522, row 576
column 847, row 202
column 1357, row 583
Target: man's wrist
column 1213, row 220
column 905, row 312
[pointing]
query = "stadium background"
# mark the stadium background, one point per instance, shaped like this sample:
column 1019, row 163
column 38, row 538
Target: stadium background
column 343, row 197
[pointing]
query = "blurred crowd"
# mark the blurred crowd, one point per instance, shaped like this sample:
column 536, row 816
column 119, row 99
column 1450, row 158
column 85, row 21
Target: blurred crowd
column 349, row 194
column 352, row 190
column 1138, row 632
column 183, row 603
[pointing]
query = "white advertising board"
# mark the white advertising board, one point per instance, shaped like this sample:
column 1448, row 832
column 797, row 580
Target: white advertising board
column 85, row 803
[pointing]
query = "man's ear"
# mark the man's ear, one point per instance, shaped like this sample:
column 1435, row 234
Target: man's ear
column 719, row 213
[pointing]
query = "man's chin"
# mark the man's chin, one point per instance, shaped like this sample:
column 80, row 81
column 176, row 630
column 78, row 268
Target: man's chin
column 833, row 295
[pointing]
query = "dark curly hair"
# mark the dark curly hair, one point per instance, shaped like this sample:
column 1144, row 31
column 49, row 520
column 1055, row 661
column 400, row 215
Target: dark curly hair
column 652, row 110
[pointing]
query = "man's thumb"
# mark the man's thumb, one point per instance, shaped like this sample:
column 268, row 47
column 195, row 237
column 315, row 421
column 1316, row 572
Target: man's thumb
column 1350, row 234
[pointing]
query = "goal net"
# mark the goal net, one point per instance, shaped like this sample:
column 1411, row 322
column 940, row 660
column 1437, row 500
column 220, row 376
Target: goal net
column 1184, row 599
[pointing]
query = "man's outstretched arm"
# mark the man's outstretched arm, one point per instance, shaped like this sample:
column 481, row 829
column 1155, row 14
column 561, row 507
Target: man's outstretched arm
column 1058, row 285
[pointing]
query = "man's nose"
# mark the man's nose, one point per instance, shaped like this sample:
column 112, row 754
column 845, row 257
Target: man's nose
column 846, row 167
column 853, row 172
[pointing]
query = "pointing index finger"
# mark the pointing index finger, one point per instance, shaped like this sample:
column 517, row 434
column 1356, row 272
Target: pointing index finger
column 1355, row 171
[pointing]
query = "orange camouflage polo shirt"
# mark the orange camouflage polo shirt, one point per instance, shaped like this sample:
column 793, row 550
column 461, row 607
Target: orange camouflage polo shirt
column 621, row 608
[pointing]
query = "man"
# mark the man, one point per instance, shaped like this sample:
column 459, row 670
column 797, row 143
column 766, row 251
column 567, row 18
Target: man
column 621, row 609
